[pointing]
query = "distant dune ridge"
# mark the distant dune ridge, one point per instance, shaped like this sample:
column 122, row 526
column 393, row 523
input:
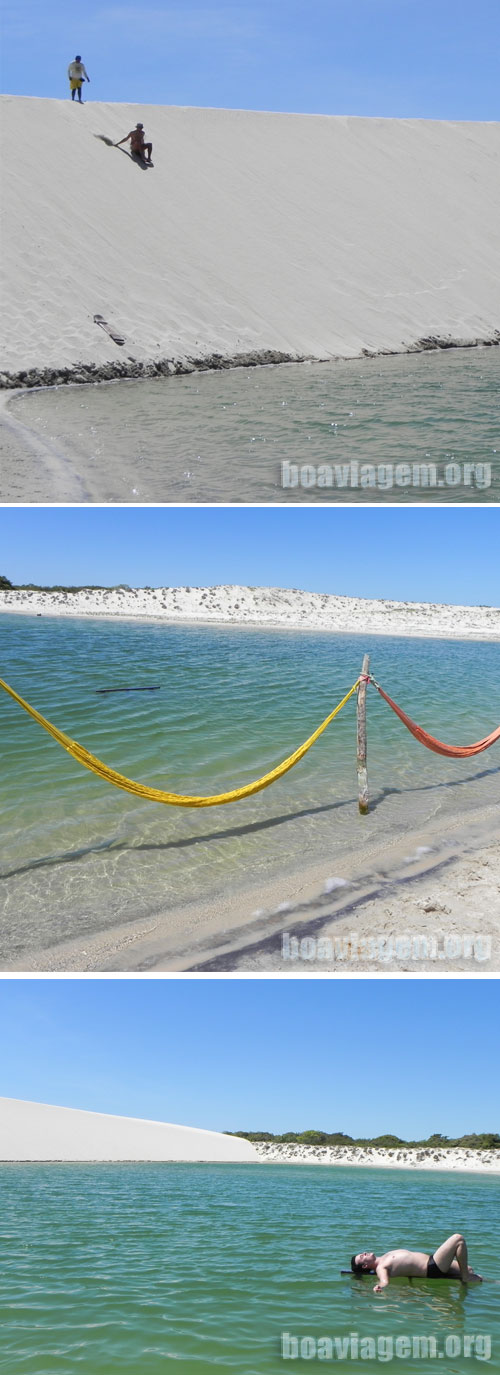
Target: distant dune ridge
column 274, row 607
column 304, row 235
column 39, row 1131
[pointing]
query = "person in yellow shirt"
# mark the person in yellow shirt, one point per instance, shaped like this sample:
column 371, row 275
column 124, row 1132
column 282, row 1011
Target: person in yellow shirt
column 77, row 75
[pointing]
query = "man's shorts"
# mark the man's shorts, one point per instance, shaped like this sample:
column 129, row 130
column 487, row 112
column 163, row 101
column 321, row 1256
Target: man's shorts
column 75, row 83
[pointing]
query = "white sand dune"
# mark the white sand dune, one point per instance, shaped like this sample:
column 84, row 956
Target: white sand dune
column 38, row 1131
column 274, row 607
column 313, row 235
column 41, row 1132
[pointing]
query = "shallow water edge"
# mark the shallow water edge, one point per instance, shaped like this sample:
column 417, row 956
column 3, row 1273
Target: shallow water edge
column 408, row 427
column 241, row 927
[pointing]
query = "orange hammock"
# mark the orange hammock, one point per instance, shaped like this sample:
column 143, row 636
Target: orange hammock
column 451, row 751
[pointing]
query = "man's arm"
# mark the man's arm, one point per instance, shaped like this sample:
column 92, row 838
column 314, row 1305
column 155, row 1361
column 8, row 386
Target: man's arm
column 87, row 78
column 383, row 1277
column 123, row 140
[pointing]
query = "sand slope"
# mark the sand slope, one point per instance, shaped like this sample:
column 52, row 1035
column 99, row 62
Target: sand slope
column 38, row 1131
column 274, row 607
column 308, row 234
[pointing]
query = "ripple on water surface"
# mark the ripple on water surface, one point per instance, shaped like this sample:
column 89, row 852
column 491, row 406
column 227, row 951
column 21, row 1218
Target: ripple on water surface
column 212, row 437
column 129, row 1267
column 231, row 705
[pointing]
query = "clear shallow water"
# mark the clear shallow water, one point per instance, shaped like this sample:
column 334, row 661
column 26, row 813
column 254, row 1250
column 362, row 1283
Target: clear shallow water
column 222, row 437
column 79, row 856
column 131, row 1267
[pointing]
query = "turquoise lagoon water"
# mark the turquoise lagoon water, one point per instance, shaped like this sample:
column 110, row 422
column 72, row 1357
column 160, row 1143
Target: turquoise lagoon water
column 212, row 437
column 78, row 856
column 133, row 1268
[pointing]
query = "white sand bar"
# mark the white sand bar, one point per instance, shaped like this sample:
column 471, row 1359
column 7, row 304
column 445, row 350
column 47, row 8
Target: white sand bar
column 37, row 1131
column 274, row 607
column 318, row 236
column 426, row 1158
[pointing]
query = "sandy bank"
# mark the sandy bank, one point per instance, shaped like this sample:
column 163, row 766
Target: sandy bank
column 255, row 234
column 38, row 1131
column 479, row 1162
column 271, row 607
column 428, row 902
column 436, row 911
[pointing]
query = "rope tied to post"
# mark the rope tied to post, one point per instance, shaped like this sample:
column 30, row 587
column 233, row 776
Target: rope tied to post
column 430, row 741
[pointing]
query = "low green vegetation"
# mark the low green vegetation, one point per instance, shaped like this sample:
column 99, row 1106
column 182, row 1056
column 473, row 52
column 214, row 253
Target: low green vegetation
column 6, row 585
column 482, row 1141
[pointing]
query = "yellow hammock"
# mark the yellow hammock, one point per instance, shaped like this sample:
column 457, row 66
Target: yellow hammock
column 89, row 761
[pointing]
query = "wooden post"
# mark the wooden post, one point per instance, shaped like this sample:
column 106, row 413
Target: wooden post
column 361, row 753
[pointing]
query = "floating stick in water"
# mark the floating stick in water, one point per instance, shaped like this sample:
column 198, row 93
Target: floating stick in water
column 131, row 689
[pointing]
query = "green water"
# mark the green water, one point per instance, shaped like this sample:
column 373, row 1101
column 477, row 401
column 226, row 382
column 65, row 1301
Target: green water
column 108, row 1268
column 223, row 436
column 79, row 856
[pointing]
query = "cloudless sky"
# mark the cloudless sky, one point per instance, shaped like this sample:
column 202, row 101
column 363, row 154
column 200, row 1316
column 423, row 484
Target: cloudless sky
column 436, row 554
column 422, row 58
column 411, row 1057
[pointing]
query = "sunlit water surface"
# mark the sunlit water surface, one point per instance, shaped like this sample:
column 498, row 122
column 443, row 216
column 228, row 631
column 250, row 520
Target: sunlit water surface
column 107, row 1268
column 78, row 856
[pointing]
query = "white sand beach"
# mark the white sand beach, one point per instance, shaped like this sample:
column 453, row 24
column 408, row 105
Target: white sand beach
column 307, row 235
column 454, row 1158
column 436, row 913
column 40, row 1131
column 391, row 908
column 274, row 607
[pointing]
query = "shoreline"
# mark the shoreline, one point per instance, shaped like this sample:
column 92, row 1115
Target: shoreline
column 447, row 1161
column 93, row 374
column 414, row 888
column 401, row 1158
column 262, row 608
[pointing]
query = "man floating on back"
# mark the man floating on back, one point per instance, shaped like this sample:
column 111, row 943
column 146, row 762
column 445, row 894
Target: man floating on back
column 77, row 75
column 450, row 1261
column 138, row 147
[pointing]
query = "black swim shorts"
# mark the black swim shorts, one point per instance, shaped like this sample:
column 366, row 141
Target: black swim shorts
column 433, row 1271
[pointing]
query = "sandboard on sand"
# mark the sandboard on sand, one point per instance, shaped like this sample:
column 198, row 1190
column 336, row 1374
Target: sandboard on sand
column 117, row 338
column 136, row 157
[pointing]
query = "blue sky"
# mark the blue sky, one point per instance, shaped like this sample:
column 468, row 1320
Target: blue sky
column 436, row 554
column 353, row 1056
column 423, row 58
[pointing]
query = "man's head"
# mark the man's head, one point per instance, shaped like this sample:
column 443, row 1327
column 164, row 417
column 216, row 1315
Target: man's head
column 363, row 1263
column 139, row 126
column 78, row 58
